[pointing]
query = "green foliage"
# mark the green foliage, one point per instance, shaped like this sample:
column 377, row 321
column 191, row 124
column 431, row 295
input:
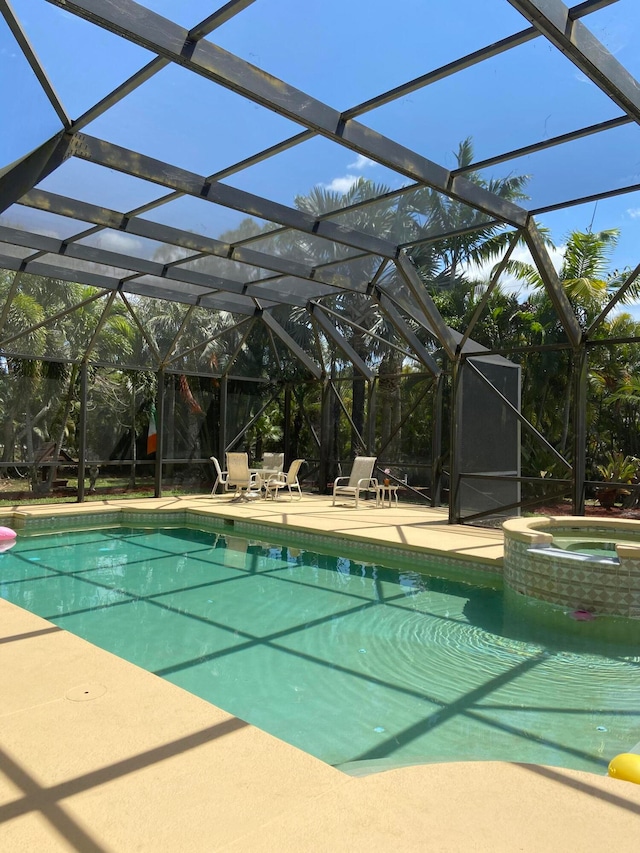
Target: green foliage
column 619, row 468
column 52, row 326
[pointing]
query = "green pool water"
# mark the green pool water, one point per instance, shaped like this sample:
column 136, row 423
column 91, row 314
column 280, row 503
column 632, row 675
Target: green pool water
column 364, row 666
column 598, row 544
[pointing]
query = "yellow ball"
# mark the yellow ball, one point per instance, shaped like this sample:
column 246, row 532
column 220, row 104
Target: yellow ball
column 625, row 766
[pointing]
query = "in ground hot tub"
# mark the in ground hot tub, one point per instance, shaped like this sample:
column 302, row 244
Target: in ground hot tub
column 590, row 566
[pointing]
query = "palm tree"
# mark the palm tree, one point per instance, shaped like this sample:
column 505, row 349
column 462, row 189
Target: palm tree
column 379, row 218
column 406, row 219
column 614, row 382
column 587, row 282
column 584, row 273
column 445, row 264
column 59, row 322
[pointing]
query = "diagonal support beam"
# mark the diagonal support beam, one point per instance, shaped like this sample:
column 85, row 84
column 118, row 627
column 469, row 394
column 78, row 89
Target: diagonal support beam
column 52, row 319
column 203, row 343
column 49, row 270
column 438, row 327
column 218, row 18
column 552, row 18
column 595, row 325
column 286, row 338
column 397, row 321
column 552, row 283
column 565, row 203
column 36, row 66
column 141, row 328
column 280, row 290
column 201, row 30
column 330, row 330
column 405, row 353
column 237, row 349
column 141, row 76
column 514, row 411
column 107, row 218
column 347, row 414
column 495, row 278
column 100, row 324
column 93, row 255
column 140, row 166
column 153, row 32
column 21, row 176
column 468, row 61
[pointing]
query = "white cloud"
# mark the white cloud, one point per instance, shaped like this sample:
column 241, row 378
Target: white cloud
column 115, row 241
column 361, row 162
column 634, row 212
column 582, row 78
column 343, row 184
column 508, row 282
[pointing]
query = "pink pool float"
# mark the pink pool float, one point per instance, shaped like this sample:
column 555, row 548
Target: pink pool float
column 7, row 538
column 582, row 615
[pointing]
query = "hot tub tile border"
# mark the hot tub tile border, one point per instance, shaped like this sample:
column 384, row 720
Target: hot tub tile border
column 606, row 587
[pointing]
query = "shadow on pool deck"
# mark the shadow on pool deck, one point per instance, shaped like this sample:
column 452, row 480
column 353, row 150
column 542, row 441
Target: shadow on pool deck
column 407, row 525
column 143, row 765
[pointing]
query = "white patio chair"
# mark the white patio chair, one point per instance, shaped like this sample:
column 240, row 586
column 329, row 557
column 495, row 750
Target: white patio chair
column 360, row 480
column 285, row 481
column 221, row 476
column 240, row 477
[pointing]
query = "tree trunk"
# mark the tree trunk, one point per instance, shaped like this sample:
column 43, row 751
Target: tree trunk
column 565, row 423
column 358, row 398
column 170, row 426
column 132, row 415
column 389, row 396
column 358, row 403
column 66, row 411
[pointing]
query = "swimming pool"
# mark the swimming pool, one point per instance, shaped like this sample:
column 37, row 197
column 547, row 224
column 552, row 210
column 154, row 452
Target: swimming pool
column 364, row 666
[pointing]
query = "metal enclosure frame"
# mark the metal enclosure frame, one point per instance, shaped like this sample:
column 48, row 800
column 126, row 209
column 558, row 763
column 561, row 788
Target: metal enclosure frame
column 275, row 282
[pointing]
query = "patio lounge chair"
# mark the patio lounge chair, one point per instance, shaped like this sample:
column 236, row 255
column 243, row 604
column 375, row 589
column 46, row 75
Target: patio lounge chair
column 360, row 480
column 241, row 477
column 285, row 481
column 221, row 476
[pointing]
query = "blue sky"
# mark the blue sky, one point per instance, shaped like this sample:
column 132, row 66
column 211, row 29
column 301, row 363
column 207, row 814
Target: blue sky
column 341, row 53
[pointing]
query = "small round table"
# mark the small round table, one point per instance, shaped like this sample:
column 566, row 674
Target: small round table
column 387, row 493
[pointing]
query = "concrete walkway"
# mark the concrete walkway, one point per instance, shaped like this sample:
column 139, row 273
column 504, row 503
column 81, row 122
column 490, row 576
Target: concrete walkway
column 407, row 526
column 98, row 755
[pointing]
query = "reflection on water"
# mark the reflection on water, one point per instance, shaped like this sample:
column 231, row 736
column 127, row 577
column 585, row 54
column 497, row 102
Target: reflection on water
column 350, row 661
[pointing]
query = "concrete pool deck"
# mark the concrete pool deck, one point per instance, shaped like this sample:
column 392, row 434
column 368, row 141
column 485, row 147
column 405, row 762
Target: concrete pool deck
column 98, row 755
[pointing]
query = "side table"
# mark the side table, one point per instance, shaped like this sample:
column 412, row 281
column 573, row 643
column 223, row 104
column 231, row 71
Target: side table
column 386, row 493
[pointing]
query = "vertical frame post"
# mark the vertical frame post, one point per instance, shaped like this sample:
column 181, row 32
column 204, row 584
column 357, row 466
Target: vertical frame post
column 287, row 425
column 132, row 414
column 371, row 415
column 454, row 444
column 82, row 449
column 580, row 384
column 436, row 443
column 325, row 438
column 160, row 432
column 222, row 432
